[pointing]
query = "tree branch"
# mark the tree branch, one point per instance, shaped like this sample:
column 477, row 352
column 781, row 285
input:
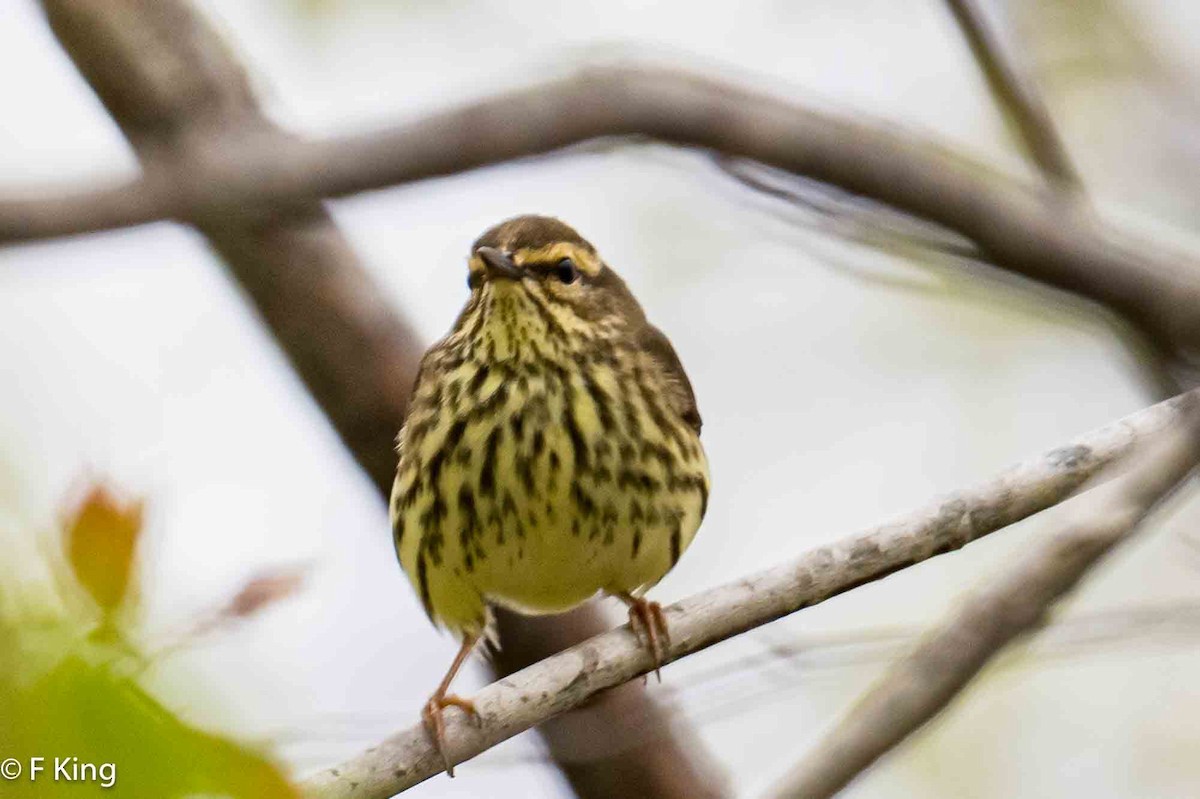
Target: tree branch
column 923, row 683
column 1017, row 95
column 176, row 92
column 570, row 678
column 848, row 216
column 183, row 99
column 1010, row 223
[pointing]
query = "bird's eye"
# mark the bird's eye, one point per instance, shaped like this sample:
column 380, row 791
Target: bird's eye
column 566, row 271
column 473, row 280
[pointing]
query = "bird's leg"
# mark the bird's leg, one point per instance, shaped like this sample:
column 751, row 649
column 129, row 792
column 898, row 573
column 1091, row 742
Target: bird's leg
column 648, row 623
column 431, row 714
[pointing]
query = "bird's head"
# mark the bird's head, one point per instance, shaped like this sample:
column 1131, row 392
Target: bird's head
column 533, row 278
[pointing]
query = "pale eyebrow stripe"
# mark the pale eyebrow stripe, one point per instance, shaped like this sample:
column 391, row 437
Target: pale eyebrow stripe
column 586, row 261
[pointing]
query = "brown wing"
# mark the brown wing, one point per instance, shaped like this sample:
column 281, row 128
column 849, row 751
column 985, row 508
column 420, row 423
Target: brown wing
column 682, row 397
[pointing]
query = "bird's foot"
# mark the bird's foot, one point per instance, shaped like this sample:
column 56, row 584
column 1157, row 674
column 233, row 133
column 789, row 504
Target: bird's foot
column 435, row 724
column 648, row 623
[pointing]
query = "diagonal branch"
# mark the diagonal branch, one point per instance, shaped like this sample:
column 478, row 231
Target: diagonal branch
column 175, row 90
column 183, row 99
column 1017, row 95
column 923, row 683
column 1010, row 223
column 570, row 678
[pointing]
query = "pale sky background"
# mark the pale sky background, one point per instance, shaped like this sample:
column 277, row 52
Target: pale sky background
column 840, row 384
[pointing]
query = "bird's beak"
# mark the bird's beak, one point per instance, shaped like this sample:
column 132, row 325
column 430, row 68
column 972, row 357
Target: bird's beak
column 498, row 264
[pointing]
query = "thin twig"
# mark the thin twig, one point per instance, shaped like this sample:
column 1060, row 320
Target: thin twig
column 923, row 683
column 868, row 222
column 570, row 678
column 1017, row 95
column 848, row 216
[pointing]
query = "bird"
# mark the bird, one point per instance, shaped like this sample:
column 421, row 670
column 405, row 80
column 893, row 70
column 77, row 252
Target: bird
column 551, row 449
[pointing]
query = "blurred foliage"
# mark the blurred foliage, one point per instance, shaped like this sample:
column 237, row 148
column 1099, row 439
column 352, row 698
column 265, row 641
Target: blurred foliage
column 1089, row 40
column 1123, row 96
column 69, row 691
column 101, row 537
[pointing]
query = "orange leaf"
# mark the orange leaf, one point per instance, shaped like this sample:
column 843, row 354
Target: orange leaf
column 101, row 540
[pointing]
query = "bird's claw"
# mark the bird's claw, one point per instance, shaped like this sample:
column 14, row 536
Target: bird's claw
column 649, row 624
column 435, row 724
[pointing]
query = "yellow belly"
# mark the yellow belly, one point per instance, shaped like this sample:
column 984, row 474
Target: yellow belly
column 527, row 494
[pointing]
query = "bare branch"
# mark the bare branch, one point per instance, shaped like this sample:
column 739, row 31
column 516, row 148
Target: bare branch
column 566, row 680
column 1009, row 222
column 593, row 760
column 175, row 90
column 726, row 690
column 868, row 222
column 181, row 97
column 1017, row 95
column 846, row 215
column 923, row 683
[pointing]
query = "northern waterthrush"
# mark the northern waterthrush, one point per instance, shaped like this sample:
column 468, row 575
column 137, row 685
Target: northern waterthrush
column 551, row 449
